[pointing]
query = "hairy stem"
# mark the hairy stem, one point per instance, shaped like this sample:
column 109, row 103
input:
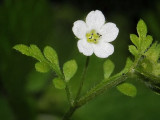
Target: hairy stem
column 100, row 88
column 69, row 113
column 69, row 97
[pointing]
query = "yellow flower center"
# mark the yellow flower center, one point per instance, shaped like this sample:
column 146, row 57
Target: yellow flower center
column 93, row 37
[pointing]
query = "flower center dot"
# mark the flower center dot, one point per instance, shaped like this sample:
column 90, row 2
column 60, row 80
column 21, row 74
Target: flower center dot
column 93, row 36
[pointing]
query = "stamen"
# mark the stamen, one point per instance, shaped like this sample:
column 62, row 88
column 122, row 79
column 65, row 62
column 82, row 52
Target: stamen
column 93, row 37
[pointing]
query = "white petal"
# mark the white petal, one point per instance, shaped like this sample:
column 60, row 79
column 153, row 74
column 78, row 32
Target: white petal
column 103, row 50
column 95, row 19
column 79, row 29
column 109, row 32
column 85, row 47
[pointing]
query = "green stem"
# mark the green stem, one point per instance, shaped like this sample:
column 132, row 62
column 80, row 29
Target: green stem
column 101, row 88
column 69, row 97
column 69, row 113
column 82, row 80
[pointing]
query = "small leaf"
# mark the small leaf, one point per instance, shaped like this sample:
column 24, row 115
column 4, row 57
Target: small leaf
column 127, row 89
column 69, row 69
column 135, row 40
column 51, row 55
column 42, row 67
column 141, row 28
column 133, row 50
column 147, row 42
column 59, row 83
column 24, row 49
column 128, row 65
column 36, row 52
column 32, row 51
column 108, row 67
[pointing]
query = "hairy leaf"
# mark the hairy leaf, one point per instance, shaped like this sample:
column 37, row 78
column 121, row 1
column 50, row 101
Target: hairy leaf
column 59, row 83
column 141, row 28
column 108, row 68
column 127, row 89
column 133, row 50
column 129, row 63
column 24, row 49
column 69, row 69
column 51, row 55
column 135, row 40
column 42, row 67
column 36, row 53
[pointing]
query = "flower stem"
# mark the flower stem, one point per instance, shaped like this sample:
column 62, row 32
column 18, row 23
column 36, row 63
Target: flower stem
column 82, row 80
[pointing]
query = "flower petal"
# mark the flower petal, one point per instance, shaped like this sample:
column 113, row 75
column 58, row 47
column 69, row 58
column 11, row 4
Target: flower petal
column 95, row 19
column 79, row 29
column 103, row 50
column 109, row 32
column 85, row 47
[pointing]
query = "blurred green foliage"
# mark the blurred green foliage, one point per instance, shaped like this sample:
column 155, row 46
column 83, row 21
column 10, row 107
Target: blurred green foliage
column 28, row 95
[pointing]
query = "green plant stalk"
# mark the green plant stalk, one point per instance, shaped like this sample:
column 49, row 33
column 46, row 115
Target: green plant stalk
column 73, row 104
column 60, row 75
column 82, row 80
column 102, row 87
column 97, row 90
column 69, row 97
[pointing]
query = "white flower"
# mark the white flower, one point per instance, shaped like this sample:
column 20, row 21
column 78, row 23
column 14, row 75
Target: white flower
column 95, row 35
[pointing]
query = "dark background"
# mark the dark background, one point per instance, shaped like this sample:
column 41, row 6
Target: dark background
column 28, row 95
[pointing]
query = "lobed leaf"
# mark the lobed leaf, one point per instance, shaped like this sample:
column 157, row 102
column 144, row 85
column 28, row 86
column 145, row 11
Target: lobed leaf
column 24, row 49
column 135, row 40
column 69, row 69
column 141, row 28
column 32, row 51
column 59, row 83
column 36, row 53
column 51, row 55
column 42, row 67
column 133, row 50
column 108, row 68
column 128, row 65
column 147, row 41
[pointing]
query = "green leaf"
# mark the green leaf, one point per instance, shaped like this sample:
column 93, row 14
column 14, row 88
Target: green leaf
column 133, row 50
column 32, row 51
column 147, row 42
column 59, row 83
column 127, row 89
column 135, row 40
column 51, row 55
column 141, row 28
column 128, row 65
column 108, row 67
column 42, row 67
column 24, row 49
column 36, row 53
column 69, row 69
